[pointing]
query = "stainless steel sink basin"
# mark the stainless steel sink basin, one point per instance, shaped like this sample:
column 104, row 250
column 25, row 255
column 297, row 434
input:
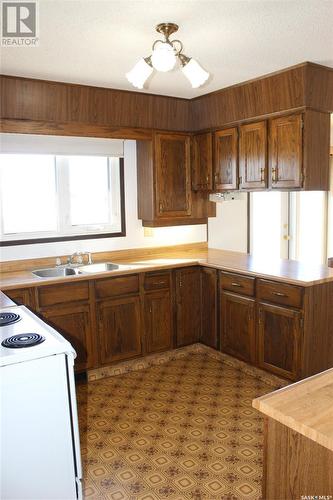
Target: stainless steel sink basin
column 98, row 268
column 54, row 272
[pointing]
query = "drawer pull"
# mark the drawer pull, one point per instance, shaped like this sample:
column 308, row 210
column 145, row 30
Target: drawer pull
column 280, row 294
column 160, row 282
column 233, row 283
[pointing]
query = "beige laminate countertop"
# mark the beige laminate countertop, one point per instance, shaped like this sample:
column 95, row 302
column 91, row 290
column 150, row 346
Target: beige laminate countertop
column 306, row 407
column 281, row 270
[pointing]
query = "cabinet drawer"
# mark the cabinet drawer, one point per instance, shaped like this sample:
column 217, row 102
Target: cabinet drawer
column 237, row 283
column 59, row 294
column 280, row 293
column 157, row 281
column 113, row 287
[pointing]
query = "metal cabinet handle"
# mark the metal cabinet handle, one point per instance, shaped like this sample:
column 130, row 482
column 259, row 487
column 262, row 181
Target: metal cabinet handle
column 233, row 283
column 262, row 175
column 279, row 294
column 274, row 174
column 161, row 206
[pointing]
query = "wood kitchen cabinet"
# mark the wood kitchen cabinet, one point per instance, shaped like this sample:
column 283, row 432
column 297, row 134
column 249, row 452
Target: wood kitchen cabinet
column 73, row 321
column 253, row 156
column 237, row 315
column 164, row 183
column 172, row 157
column 209, row 307
column 67, row 307
column 238, row 326
column 202, row 162
column 278, row 339
column 226, row 159
column 119, row 329
column 188, row 305
column 23, row 296
column 299, row 151
column 158, row 311
column 158, row 321
column 285, row 152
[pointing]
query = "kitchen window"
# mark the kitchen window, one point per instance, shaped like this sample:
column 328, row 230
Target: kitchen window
column 51, row 197
column 289, row 225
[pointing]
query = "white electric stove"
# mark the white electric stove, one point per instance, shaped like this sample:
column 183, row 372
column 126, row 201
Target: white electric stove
column 40, row 449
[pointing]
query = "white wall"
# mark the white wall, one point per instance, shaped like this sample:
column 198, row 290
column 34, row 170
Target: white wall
column 228, row 230
column 134, row 231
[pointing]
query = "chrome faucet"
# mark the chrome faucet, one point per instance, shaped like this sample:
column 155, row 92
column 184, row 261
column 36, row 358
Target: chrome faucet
column 77, row 258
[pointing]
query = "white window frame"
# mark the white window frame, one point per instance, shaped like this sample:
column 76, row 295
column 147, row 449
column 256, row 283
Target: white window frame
column 65, row 231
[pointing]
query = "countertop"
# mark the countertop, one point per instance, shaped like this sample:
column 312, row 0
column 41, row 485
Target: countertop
column 306, row 407
column 280, row 270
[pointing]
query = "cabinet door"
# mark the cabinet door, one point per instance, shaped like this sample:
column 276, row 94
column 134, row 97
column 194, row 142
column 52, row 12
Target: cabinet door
column 202, row 162
column 278, row 338
column 226, row 159
column 253, row 156
column 119, row 328
column 158, row 321
column 237, row 326
column 22, row 296
column 73, row 322
column 209, row 307
column 285, row 152
column 173, row 176
column 188, row 306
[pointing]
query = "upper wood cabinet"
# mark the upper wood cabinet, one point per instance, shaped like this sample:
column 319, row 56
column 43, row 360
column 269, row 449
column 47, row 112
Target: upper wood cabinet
column 299, row 151
column 164, row 183
column 253, row 156
column 173, row 187
column 286, row 152
column 202, row 162
column 225, row 159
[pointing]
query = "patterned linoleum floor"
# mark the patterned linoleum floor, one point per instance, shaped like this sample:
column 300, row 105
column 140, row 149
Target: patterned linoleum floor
column 184, row 429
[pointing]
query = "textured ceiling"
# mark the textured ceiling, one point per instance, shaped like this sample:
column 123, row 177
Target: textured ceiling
column 96, row 41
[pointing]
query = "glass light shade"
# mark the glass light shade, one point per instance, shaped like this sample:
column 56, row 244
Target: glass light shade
column 163, row 57
column 195, row 73
column 139, row 74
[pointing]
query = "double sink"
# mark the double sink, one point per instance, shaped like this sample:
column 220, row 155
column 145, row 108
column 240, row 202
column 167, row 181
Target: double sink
column 62, row 271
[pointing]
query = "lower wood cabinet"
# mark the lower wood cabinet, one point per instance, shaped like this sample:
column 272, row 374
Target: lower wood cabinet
column 119, row 329
column 22, row 296
column 209, row 307
column 188, row 305
column 278, row 339
column 73, row 322
column 238, row 326
column 158, row 321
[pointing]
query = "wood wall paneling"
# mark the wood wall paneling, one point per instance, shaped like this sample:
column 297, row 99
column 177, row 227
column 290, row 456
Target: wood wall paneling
column 58, row 106
column 45, row 101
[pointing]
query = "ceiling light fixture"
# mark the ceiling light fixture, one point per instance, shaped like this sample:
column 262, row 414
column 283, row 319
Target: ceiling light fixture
column 164, row 57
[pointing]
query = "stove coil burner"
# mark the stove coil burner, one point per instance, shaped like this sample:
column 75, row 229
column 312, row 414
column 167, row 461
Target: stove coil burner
column 7, row 318
column 23, row 340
